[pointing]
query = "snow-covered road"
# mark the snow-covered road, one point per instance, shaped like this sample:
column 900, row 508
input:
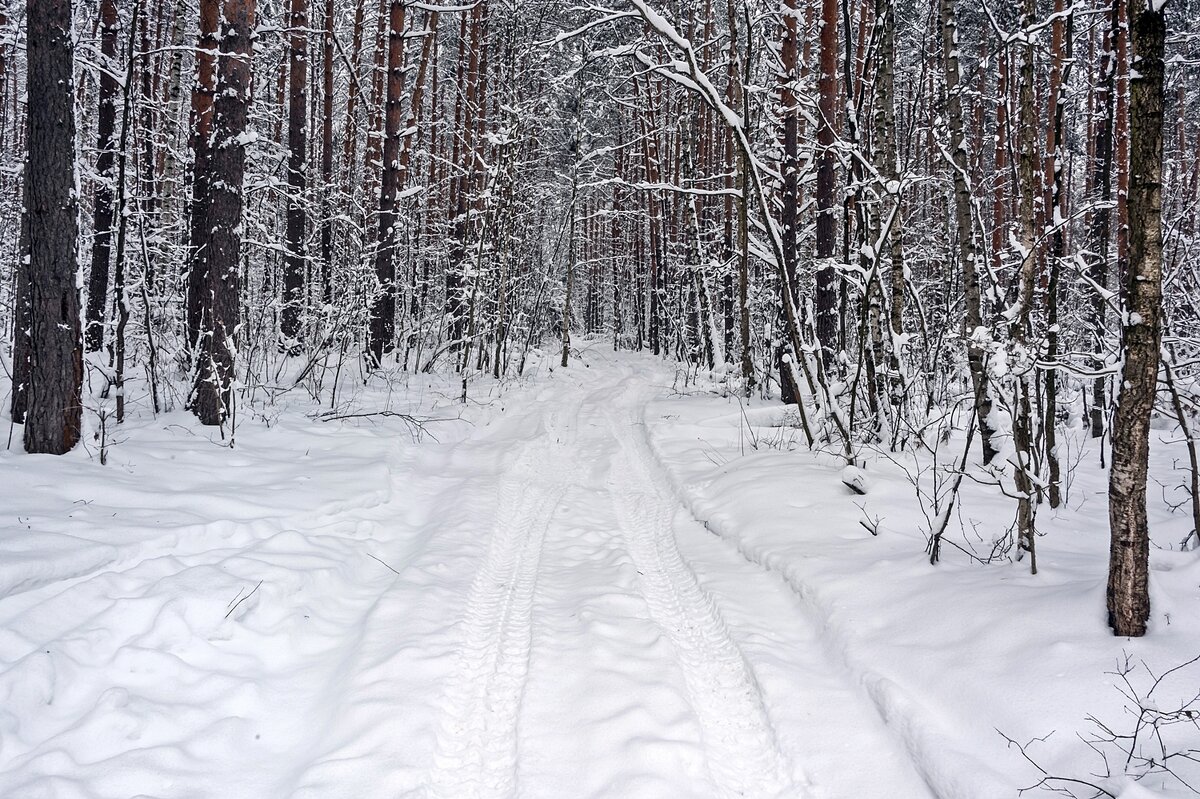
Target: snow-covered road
column 587, row 589
column 610, row 646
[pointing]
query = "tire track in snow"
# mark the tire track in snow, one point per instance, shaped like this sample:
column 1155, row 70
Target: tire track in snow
column 946, row 771
column 477, row 745
column 744, row 758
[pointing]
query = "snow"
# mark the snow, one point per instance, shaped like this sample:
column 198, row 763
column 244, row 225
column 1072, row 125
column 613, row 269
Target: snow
column 589, row 585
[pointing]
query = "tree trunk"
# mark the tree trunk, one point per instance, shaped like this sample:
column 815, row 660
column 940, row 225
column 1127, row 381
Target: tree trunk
column 219, row 245
column 1128, row 588
column 295, row 262
column 383, row 310
column 1019, row 315
column 1101, row 226
column 202, row 126
column 827, row 293
column 789, row 170
column 327, row 152
column 103, row 219
column 1060, row 75
column 54, row 412
column 965, row 229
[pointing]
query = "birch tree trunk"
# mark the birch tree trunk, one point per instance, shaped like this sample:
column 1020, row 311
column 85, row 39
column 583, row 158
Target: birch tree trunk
column 1128, row 581
column 967, row 248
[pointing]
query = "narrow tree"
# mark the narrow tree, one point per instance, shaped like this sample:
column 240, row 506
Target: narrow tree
column 827, row 89
column 297, row 213
column 789, row 170
column 383, row 309
column 54, row 412
column 1128, row 589
column 327, row 151
column 106, row 145
column 1101, row 225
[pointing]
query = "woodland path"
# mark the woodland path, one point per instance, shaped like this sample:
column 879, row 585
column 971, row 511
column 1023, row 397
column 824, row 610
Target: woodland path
column 609, row 646
column 525, row 611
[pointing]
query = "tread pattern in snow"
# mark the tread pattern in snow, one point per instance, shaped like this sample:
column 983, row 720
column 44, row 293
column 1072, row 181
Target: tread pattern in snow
column 477, row 745
column 744, row 758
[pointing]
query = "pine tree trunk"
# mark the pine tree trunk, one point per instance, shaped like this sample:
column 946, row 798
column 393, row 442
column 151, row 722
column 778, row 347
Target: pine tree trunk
column 294, row 262
column 103, row 219
column 327, row 152
column 383, row 310
column 54, row 412
column 827, row 291
column 1128, row 578
column 219, row 244
column 199, row 227
column 1060, row 74
column 789, row 169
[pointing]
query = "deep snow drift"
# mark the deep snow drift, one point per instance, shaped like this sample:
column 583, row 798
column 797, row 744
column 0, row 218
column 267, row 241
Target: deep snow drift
column 593, row 583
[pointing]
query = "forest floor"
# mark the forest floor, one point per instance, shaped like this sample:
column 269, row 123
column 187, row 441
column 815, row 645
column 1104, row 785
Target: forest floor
column 593, row 582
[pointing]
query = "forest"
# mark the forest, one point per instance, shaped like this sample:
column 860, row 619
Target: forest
column 954, row 239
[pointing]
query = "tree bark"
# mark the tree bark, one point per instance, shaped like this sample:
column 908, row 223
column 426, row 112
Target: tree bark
column 202, row 130
column 295, row 262
column 827, row 89
column 383, row 309
column 967, row 248
column 789, row 170
column 54, row 413
column 1128, row 571
column 1098, row 267
column 103, row 201
column 219, row 245
column 327, row 152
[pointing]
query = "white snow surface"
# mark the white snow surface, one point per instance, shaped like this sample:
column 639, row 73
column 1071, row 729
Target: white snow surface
column 591, row 584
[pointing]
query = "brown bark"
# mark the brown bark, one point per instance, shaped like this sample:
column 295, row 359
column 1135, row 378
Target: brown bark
column 383, row 309
column 219, row 245
column 1060, row 50
column 202, row 130
column 827, row 294
column 789, row 169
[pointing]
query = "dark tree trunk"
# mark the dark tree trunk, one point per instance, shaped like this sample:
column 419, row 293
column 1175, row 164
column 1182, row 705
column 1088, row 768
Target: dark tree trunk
column 383, row 310
column 219, row 244
column 827, row 291
column 789, row 169
column 1128, row 584
column 202, row 127
column 54, row 404
column 297, row 216
column 102, row 227
column 22, row 321
column 327, row 152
